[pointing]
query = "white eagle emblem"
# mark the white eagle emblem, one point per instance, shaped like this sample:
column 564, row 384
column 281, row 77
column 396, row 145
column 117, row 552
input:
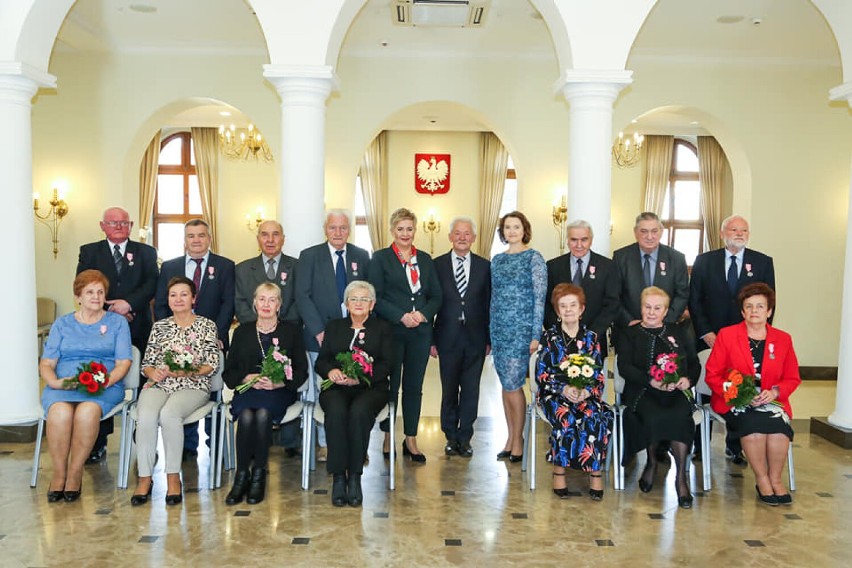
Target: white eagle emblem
column 432, row 174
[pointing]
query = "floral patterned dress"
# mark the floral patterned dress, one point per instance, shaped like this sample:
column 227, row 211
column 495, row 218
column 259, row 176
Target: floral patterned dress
column 201, row 339
column 580, row 432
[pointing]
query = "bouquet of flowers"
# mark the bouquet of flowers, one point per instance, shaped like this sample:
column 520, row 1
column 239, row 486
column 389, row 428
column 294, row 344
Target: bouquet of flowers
column 276, row 367
column 91, row 378
column 666, row 370
column 180, row 358
column 739, row 390
column 355, row 364
column 580, row 370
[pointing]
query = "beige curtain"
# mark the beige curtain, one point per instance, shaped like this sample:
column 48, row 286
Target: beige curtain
column 494, row 161
column 148, row 184
column 374, row 185
column 712, row 164
column 206, row 144
column 658, row 160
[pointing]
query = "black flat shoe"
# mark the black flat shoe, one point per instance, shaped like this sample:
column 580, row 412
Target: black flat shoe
column 770, row 500
column 353, row 490
column 55, row 496
column 416, row 458
column 257, row 486
column 139, row 499
column 338, row 490
column 785, row 499
column 238, row 491
column 503, row 455
column 515, row 459
column 644, row 486
column 71, row 496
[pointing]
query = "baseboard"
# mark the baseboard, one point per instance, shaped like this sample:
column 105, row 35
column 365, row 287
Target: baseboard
column 834, row 434
column 18, row 434
column 818, row 373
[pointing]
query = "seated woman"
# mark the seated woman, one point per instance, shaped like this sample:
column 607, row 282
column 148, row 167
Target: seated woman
column 658, row 411
column 755, row 348
column 89, row 334
column 171, row 395
column 581, row 422
column 262, row 404
column 351, row 406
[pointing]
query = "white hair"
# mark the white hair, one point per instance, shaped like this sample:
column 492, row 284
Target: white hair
column 342, row 212
column 468, row 220
column 580, row 224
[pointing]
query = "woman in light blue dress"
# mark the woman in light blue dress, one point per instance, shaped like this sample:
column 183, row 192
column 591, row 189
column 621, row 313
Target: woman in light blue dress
column 518, row 289
column 86, row 335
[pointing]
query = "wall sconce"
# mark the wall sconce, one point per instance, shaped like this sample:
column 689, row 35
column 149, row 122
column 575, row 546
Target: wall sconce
column 432, row 225
column 253, row 224
column 560, row 219
column 624, row 153
column 53, row 217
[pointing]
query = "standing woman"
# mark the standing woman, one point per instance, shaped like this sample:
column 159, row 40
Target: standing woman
column 265, row 403
column 408, row 295
column 518, row 288
column 170, row 396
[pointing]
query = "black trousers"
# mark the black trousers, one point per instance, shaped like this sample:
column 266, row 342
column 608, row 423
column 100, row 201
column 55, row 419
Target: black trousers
column 461, row 369
column 349, row 416
column 411, row 355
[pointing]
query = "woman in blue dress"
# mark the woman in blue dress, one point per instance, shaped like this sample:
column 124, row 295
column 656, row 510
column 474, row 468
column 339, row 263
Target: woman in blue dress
column 581, row 422
column 89, row 334
column 518, row 288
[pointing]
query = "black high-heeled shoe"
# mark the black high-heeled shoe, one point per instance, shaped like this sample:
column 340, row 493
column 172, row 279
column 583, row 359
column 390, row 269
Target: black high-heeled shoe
column 561, row 492
column 238, row 491
column 646, row 486
column 353, row 490
column 515, row 459
column 175, row 499
column 338, row 490
column 770, row 500
column 55, row 496
column 596, row 494
column 503, row 454
column 140, row 499
column 785, row 499
column 416, row 458
column 71, row 496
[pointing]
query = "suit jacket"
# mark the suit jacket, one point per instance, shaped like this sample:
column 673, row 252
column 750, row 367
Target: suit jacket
column 731, row 351
column 670, row 274
column 251, row 273
column 601, row 285
column 449, row 330
column 393, row 294
column 377, row 341
column 215, row 297
column 711, row 304
column 316, row 286
column 136, row 284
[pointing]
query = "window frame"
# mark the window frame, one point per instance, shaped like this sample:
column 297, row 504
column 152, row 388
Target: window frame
column 186, row 169
column 672, row 224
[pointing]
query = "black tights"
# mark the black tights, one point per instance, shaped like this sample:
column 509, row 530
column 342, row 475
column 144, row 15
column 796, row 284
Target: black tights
column 254, row 436
column 680, row 451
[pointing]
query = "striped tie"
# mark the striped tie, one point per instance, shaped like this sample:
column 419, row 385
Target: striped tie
column 461, row 279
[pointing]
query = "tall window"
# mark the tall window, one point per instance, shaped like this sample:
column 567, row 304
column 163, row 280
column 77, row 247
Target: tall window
column 510, row 203
column 682, row 219
column 360, row 235
column 178, row 199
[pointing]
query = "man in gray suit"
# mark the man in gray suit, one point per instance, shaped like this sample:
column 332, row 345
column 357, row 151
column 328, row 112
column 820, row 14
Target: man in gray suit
column 323, row 273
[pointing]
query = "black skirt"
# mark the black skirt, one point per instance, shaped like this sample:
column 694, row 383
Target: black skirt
column 657, row 416
column 752, row 421
column 275, row 401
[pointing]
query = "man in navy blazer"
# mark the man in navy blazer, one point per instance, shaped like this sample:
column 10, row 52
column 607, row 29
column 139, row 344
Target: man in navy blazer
column 598, row 277
column 131, row 269
column 322, row 274
column 716, row 281
column 213, row 276
column 460, row 336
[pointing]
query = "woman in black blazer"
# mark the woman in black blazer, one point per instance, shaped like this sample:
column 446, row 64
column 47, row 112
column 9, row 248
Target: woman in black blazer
column 408, row 295
column 351, row 406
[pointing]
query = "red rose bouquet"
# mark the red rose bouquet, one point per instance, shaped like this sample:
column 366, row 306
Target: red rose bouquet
column 355, row 364
column 91, row 378
column 666, row 370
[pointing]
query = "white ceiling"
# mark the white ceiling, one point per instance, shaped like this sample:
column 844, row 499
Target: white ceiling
column 789, row 32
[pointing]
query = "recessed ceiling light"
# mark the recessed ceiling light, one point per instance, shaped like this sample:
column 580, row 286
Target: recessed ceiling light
column 224, row 113
column 730, row 19
column 143, row 8
column 634, row 121
column 694, row 123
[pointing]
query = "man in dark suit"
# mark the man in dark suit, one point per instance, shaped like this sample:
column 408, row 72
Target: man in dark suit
column 460, row 335
column 213, row 276
column 717, row 278
column 595, row 274
column 131, row 269
column 323, row 272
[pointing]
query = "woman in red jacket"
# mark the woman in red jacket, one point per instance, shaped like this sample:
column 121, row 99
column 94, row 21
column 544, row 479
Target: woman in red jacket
column 755, row 348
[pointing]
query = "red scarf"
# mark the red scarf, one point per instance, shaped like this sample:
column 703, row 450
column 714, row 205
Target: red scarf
column 412, row 268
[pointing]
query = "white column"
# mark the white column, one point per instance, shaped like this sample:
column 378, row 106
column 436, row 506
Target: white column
column 842, row 415
column 304, row 91
column 590, row 95
column 19, row 384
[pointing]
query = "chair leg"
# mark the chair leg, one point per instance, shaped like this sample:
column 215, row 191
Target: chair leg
column 526, row 435
column 131, row 424
column 790, row 470
column 220, row 456
column 122, row 447
column 211, row 469
column 307, row 445
column 37, row 452
column 529, row 446
column 705, row 450
column 619, row 439
column 392, row 420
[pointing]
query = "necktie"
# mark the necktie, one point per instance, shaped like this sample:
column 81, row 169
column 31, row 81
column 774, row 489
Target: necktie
column 733, row 276
column 461, row 279
column 340, row 275
column 196, row 276
column 116, row 257
column 578, row 274
column 646, row 270
column 270, row 271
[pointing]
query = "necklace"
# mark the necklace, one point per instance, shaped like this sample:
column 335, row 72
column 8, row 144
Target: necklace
column 754, row 344
column 269, row 329
column 257, row 333
column 568, row 339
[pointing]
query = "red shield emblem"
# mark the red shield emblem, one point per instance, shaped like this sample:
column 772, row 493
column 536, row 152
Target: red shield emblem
column 432, row 173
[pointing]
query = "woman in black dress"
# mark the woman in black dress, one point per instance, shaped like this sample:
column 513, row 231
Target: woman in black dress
column 265, row 402
column 656, row 411
column 351, row 406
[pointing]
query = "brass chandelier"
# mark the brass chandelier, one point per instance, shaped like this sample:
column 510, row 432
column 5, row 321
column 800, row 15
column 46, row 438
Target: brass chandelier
column 242, row 144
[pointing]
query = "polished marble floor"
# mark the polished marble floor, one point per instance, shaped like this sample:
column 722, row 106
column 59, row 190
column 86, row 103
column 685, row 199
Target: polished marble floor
column 448, row 512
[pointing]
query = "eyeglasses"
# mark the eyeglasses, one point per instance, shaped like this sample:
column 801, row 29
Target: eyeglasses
column 360, row 299
column 116, row 224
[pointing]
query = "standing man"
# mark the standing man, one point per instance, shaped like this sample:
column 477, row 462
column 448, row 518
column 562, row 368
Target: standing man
column 131, row 269
column 323, row 273
column 213, row 276
column 717, row 278
column 595, row 274
column 461, row 338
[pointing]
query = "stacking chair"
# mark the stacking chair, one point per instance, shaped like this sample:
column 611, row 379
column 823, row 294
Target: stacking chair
column 211, row 407
column 131, row 385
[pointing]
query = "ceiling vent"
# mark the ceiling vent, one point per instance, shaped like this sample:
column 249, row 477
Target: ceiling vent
column 440, row 13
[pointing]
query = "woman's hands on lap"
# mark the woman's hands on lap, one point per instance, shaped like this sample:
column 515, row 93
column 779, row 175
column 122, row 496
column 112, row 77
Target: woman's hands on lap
column 337, row 377
column 575, row 395
column 765, row 397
